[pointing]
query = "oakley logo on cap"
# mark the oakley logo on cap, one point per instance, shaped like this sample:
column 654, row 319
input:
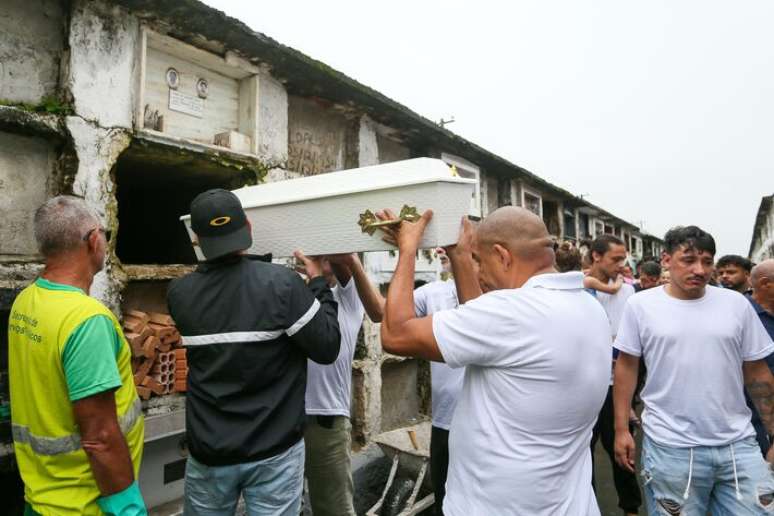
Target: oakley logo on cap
column 220, row 221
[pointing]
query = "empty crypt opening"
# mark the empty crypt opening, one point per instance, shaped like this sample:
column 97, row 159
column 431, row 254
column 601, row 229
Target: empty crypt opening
column 154, row 188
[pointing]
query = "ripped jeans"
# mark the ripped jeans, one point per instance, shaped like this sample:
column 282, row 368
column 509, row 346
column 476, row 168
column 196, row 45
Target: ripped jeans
column 731, row 480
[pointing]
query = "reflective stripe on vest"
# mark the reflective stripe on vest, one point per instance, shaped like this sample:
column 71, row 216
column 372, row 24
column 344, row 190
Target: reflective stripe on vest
column 69, row 443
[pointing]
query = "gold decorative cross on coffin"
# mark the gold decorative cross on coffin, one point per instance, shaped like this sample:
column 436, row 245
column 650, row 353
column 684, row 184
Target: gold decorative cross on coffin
column 369, row 222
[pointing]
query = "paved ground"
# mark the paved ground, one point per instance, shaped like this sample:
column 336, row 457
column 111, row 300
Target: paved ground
column 608, row 500
column 606, row 496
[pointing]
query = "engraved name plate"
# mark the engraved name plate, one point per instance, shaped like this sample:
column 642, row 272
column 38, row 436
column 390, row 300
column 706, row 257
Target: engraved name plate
column 187, row 104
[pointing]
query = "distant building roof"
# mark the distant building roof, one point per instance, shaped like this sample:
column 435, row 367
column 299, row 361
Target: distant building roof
column 760, row 219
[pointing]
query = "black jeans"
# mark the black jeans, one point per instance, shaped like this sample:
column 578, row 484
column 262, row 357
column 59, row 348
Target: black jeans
column 439, row 465
column 629, row 497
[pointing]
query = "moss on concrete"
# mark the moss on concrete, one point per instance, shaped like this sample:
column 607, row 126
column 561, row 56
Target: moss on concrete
column 49, row 104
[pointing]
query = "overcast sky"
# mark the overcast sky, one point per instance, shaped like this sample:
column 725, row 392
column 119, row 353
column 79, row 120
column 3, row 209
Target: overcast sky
column 662, row 112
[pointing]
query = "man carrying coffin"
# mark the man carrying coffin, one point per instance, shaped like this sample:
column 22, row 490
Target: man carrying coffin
column 248, row 328
column 537, row 357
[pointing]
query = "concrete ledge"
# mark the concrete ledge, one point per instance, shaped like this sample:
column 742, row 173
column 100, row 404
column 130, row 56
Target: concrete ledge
column 28, row 123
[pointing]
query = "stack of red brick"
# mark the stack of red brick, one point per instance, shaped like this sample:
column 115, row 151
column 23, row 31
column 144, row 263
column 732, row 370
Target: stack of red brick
column 158, row 359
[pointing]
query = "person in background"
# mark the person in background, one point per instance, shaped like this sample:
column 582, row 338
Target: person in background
column 665, row 278
column 328, row 436
column 77, row 422
column 627, row 274
column 608, row 259
column 734, row 272
column 536, row 353
column 446, row 383
column 762, row 300
column 650, row 273
column 568, row 257
column 701, row 346
column 248, row 328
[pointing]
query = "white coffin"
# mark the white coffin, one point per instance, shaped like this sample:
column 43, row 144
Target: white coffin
column 320, row 214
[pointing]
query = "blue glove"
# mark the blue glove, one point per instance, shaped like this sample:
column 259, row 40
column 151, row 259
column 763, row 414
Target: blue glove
column 128, row 502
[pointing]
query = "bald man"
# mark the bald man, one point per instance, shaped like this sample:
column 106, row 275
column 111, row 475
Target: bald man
column 537, row 357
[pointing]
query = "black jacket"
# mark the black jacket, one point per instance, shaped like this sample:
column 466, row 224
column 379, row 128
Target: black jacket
column 248, row 328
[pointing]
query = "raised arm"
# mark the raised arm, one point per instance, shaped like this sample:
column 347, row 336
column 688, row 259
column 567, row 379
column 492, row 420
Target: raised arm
column 402, row 332
column 372, row 300
column 313, row 314
column 461, row 257
column 626, row 369
column 609, row 288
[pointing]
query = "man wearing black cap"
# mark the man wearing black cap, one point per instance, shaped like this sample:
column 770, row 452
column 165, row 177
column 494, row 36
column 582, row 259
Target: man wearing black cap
column 248, row 327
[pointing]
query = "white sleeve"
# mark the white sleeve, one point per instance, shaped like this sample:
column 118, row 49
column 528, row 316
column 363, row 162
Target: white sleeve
column 756, row 343
column 628, row 337
column 477, row 333
column 420, row 302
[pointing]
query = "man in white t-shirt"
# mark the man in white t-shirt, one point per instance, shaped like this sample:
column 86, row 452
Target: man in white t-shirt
column 327, row 435
column 537, row 366
column 608, row 257
column 446, row 383
column 701, row 346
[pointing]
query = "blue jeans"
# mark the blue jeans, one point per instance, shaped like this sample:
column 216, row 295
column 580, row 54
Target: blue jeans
column 270, row 487
column 731, row 480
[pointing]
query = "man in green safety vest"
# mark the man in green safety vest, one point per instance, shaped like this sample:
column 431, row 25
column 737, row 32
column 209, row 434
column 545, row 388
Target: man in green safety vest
column 76, row 419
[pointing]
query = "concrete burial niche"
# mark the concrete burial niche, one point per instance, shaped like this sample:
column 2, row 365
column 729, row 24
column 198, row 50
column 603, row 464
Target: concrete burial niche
column 30, row 49
column 155, row 184
column 26, row 169
column 401, row 402
column 317, row 137
column 192, row 94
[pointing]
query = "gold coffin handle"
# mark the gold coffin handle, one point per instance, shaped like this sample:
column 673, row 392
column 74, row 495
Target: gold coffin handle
column 369, row 222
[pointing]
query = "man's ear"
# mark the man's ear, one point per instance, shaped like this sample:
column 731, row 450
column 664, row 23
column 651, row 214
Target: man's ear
column 504, row 255
column 92, row 242
column 595, row 257
column 666, row 259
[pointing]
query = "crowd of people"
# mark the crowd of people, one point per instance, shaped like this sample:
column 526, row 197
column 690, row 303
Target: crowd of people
column 539, row 350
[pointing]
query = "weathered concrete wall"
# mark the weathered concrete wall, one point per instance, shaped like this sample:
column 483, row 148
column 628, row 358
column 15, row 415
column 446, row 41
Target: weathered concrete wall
column 272, row 121
column 30, row 49
column 103, row 49
column 98, row 149
column 390, row 150
column 763, row 238
column 26, row 169
column 491, row 193
column 400, row 396
column 316, row 137
column 368, row 147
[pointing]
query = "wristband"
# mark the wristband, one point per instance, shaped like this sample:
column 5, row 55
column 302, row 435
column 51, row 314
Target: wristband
column 128, row 502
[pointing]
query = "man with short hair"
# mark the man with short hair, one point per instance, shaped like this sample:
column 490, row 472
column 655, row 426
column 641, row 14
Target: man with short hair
column 762, row 300
column 608, row 256
column 248, row 328
column 734, row 272
column 537, row 357
column 327, row 436
column 650, row 274
column 77, row 421
column 701, row 346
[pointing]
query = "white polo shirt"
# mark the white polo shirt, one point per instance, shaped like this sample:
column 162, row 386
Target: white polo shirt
column 329, row 387
column 537, row 364
column 446, row 383
column 694, row 351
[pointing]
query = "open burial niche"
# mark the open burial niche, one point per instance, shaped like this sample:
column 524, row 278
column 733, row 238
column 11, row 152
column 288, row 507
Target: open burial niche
column 155, row 186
